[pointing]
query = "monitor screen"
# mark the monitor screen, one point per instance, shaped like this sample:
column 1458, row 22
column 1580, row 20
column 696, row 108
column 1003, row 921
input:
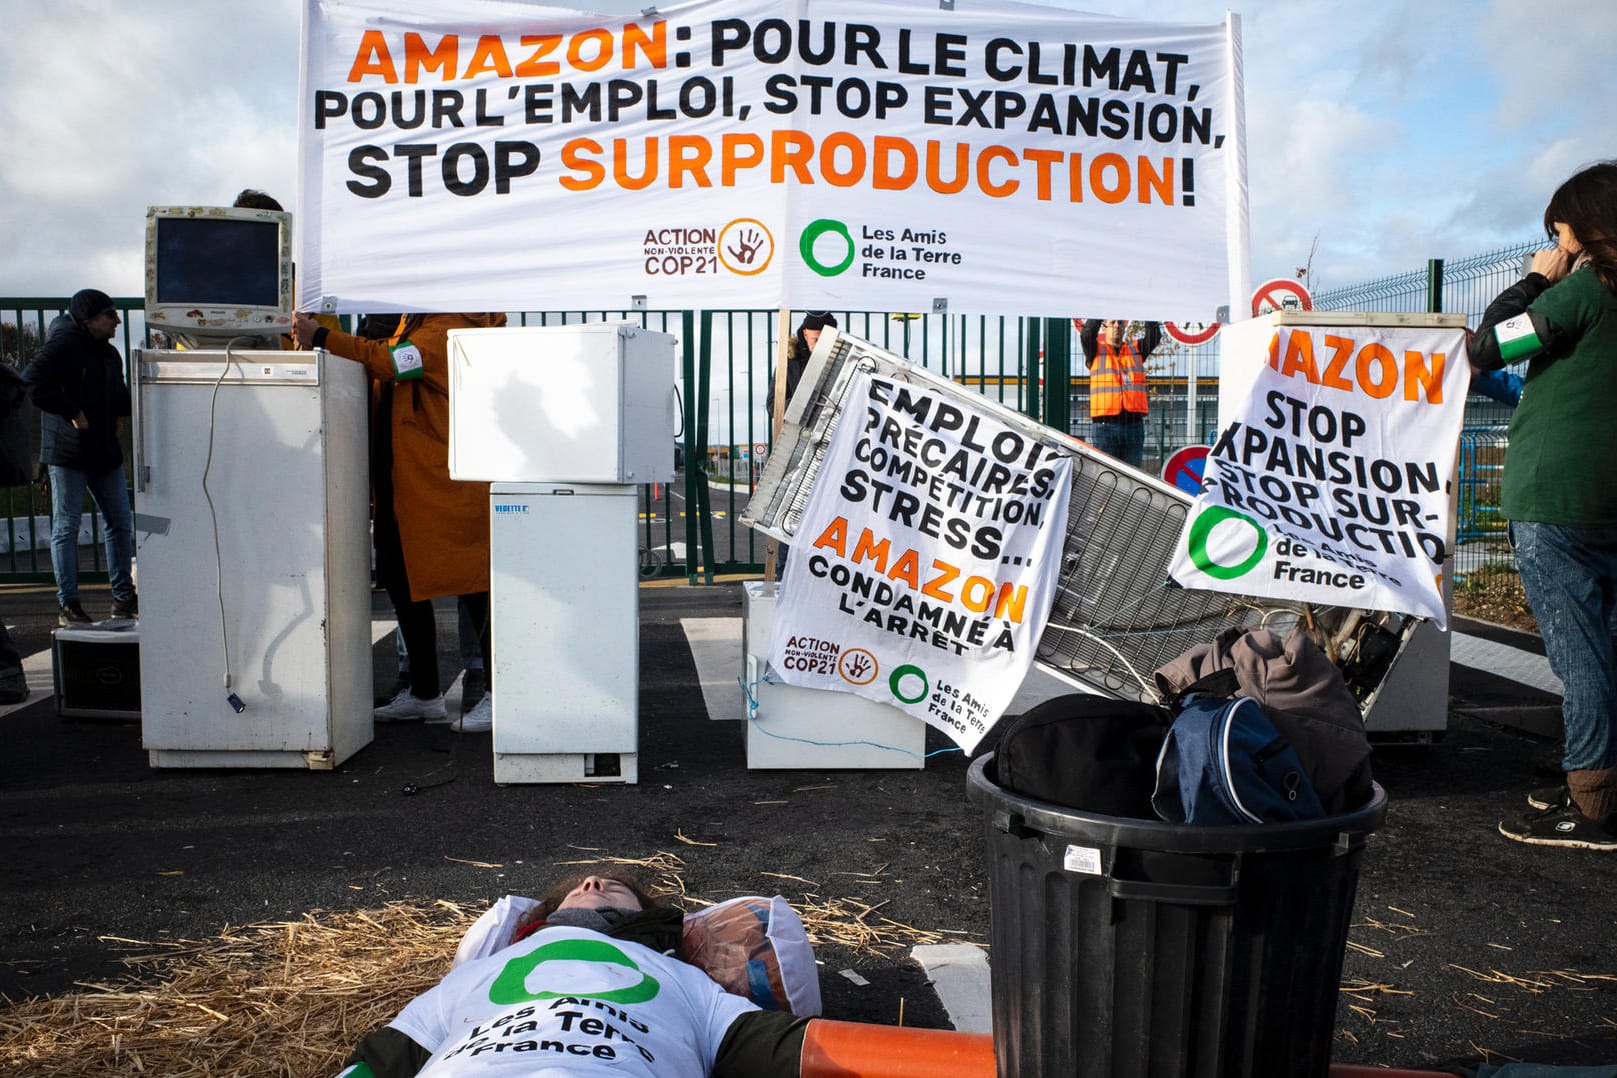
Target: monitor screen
column 216, row 271
column 214, row 261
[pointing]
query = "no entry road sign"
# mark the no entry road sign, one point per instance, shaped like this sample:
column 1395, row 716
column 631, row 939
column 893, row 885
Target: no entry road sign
column 1192, row 333
column 1280, row 294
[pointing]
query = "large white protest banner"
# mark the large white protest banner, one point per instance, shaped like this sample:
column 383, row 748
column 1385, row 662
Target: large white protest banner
column 1330, row 479
column 848, row 154
column 926, row 559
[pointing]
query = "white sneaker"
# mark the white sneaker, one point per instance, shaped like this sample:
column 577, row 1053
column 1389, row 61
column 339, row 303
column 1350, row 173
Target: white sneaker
column 479, row 720
column 406, row 707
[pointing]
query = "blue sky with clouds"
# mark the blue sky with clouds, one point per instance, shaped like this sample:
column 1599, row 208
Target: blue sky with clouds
column 1392, row 132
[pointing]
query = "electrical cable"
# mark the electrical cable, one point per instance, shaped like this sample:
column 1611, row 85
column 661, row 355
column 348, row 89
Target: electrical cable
column 415, row 786
column 752, row 717
column 231, row 697
column 410, row 789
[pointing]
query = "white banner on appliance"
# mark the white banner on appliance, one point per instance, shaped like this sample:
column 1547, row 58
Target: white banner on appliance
column 926, row 559
column 1330, row 480
column 844, row 154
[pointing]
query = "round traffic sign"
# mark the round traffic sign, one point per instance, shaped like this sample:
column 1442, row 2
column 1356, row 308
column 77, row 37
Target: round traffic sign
column 1191, row 333
column 1280, row 294
column 1186, row 468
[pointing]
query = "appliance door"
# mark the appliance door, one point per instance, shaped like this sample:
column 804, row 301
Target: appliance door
column 537, row 404
column 564, row 568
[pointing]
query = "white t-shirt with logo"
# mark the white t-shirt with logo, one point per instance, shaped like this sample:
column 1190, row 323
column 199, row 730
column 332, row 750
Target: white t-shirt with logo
column 567, row 1001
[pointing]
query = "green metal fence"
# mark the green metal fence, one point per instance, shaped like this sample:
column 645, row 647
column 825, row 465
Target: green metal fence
column 691, row 528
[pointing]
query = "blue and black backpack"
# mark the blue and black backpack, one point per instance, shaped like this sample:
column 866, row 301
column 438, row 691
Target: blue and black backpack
column 1223, row 762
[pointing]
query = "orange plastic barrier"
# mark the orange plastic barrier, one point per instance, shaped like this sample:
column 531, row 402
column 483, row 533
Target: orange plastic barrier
column 866, row 1050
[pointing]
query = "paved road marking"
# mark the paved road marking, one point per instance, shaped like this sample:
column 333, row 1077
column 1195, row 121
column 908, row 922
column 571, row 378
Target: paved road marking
column 959, row 974
column 716, row 650
column 1524, row 667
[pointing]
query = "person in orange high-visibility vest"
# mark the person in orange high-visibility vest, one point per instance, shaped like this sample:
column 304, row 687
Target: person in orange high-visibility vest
column 1117, row 403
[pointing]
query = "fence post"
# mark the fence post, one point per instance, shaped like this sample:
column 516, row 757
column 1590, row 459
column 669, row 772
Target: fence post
column 699, row 517
column 1058, row 374
column 1434, row 285
column 1033, row 352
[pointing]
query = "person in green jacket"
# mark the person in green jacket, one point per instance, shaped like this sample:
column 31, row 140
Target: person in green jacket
column 1562, row 319
column 596, row 987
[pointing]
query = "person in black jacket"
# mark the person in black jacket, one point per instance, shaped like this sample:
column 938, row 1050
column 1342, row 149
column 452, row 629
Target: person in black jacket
column 76, row 379
column 802, row 346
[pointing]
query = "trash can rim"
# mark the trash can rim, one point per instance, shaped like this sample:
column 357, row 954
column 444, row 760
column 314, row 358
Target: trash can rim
column 1150, row 834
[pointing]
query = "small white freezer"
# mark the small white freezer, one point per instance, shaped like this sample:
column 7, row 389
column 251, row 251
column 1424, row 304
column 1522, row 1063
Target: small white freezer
column 565, row 618
column 586, row 403
column 792, row 727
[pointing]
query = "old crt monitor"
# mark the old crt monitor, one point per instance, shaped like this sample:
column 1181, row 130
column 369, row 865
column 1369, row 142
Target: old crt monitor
column 216, row 272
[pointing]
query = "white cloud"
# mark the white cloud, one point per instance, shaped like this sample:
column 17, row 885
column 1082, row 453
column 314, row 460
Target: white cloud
column 1310, row 176
column 1553, row 59
column 161, row 103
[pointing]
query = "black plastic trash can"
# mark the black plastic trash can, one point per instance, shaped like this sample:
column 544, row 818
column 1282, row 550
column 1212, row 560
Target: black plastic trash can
column 1123, row 948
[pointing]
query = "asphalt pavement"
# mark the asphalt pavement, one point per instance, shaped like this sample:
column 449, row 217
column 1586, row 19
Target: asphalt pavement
column 1464, row 947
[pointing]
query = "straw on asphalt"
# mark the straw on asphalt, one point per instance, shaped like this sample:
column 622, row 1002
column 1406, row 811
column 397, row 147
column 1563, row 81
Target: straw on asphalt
column 289, row 999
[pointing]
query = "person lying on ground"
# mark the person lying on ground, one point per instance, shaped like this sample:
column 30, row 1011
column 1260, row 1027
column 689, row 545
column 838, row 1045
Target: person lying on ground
column 592, row 985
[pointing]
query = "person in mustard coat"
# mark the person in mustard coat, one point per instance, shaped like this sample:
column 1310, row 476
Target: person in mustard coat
column 431, row 531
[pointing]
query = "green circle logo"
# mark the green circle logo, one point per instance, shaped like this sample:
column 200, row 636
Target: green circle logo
column 811, row 234
column 511, row 986
column 1202, row 529
column 900, row 674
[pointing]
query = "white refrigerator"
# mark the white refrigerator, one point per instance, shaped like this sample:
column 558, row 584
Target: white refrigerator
column 252, row 505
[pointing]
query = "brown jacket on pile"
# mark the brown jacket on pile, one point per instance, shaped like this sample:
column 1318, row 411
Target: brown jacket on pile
column 1304, row 695
column 443, row 523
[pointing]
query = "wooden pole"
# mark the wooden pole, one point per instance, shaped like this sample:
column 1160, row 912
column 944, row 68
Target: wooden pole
column 778, row 411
